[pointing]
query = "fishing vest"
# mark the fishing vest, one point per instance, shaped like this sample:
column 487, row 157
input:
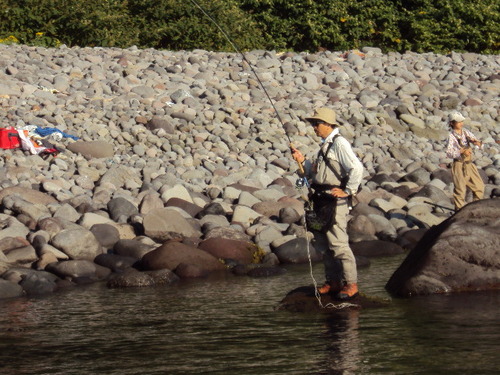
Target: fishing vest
column 328, row 171
column 462, row 144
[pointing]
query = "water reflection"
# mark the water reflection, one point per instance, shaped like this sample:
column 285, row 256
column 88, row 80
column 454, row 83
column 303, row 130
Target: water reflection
column 228, row 326
column 461, row 327
column 342, row 343
column 18, row 315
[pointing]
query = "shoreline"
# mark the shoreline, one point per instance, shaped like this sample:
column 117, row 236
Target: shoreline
column 181, row 157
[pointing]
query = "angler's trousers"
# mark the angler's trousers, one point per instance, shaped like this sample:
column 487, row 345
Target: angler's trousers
column 340, row 251
column 465, row 175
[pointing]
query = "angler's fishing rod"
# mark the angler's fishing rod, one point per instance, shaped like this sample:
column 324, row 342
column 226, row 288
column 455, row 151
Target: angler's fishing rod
column 197, row 5
column 303, row 180
column 440, row 206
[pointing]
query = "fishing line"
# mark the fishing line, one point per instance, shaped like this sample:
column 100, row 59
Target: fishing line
column 195, row 3
column 317, row 295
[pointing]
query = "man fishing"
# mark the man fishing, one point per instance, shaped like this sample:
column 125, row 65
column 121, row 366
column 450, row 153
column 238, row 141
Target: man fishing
column 336, row 174
column 463, row 171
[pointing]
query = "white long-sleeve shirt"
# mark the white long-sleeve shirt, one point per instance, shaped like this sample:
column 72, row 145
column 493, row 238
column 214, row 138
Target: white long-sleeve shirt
column 342, row 152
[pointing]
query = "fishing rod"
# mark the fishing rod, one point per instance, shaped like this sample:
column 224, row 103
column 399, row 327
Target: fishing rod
column 439, row 206
column 197, row 5
column 302, row 181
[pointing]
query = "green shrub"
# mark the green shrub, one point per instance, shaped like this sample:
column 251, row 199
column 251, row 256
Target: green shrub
column 397, row 25
column 177, row 25
column 300, row 25
column 73, row 22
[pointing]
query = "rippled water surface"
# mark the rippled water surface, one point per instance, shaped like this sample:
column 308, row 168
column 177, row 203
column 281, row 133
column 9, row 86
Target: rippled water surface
column 229, row 326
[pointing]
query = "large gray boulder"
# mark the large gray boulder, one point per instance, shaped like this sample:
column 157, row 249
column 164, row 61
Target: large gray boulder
column 107, row 235
column 460, row 254
column 92, row 149
column 120, row 209
column 165, row 223
column 77, row 243
column 79, row 269
column 295, row 251
column 39, row 282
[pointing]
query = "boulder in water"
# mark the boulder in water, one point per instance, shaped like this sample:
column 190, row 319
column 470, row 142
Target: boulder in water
column 295, row 251
column 9, row 289
column 303, row 299
column 460, row 254
column 171, row 254
column 131, row 279
column 241, row 251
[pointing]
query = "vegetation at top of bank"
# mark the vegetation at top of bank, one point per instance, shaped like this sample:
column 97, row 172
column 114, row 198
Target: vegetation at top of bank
column 300, row 25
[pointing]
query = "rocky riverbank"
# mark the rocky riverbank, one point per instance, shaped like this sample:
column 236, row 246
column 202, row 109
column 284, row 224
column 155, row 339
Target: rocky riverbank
column 182, row 167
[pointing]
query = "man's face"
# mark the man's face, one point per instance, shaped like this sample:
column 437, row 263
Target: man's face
column 457, row 125
column 321, row 128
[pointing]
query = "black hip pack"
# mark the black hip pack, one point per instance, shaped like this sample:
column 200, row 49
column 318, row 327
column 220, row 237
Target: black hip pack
column 320, row 215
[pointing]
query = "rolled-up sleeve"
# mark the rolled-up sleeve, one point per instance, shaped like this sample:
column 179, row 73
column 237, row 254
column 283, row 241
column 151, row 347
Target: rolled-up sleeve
column 351, row 165
column 471, row 136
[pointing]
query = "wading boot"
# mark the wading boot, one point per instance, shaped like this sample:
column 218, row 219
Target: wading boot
column 349, row 291
column 330, row 287
column 325, row 289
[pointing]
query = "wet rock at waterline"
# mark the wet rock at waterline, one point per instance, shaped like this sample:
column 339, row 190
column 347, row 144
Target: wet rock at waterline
column 304, row 300
column 10, row 290
column 297, row 251
column 172, row 254
column 223, row 248
column 460, row 254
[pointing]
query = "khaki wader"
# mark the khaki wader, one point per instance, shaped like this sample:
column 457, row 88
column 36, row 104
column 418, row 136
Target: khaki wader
column 338, row 240
column 465, row 175
column 338, row 243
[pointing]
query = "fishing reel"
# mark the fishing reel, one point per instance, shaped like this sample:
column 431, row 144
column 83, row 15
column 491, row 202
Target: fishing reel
column 301, row 182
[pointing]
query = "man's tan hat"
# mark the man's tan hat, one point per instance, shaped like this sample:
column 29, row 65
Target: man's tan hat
column 324, row 114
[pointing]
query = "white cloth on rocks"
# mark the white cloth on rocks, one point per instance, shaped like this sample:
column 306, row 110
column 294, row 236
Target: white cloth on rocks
column 26, row 141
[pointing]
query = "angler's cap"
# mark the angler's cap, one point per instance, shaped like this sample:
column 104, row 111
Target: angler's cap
column 324, row 114
column 456, row 117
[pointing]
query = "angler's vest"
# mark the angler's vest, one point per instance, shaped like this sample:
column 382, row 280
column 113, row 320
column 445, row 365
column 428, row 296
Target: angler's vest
column 328, row 171
column 463, row 158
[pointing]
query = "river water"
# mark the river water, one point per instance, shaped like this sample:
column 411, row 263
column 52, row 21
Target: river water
column 229, row 326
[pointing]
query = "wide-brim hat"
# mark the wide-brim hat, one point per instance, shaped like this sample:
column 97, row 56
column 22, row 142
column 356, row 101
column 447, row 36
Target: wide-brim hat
column 324, row 114
column 456, row 117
